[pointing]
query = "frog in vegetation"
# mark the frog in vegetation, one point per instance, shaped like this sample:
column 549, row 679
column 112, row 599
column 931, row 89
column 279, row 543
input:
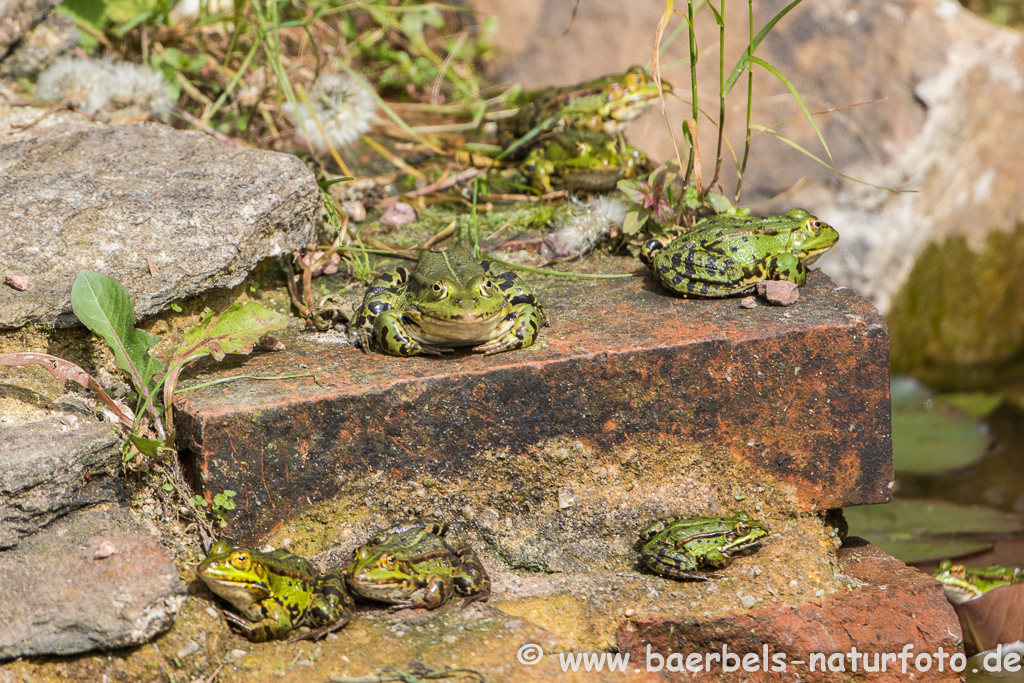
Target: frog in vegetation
column 606, row 104
column 276, row 592
column 449, row 299
column 412, row 565
column 728, row 255
column 678, row 545
column 961, row 583
column 582, row 160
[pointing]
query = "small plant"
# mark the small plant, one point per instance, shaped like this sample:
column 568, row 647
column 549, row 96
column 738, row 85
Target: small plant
column 222, row 503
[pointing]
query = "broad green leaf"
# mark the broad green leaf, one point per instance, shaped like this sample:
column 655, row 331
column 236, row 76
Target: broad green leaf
column 235, row 331
column 635, row 221
column 933, row 439
column 636, row 190
column 103, row 305
column 150, row 447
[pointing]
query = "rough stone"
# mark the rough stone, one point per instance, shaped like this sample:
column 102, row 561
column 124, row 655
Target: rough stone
column 17, row 17
column 943, row 84
column 59, row 598
column 51, row 467
column 692, row 405
column 40, row 47
column 168, row 213
column 872, row 617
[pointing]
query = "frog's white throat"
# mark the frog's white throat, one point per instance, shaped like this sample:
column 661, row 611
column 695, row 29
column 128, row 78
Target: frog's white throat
column 466, row 330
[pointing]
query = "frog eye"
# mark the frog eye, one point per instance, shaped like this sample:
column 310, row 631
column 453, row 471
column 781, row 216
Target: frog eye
column 634, row 80
column 742, row 528
column 486, row 288
column 957, row 570
column 388, row 561
column 240, row 560
column 815, row 226
column 440, row 290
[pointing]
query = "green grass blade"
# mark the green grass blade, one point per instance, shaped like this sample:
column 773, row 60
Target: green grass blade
column 742, row 63
column 799, row 100
column 811, row 155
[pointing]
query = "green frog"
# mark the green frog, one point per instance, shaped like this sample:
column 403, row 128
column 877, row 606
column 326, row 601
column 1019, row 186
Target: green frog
column 677, row 545
column 449, row 299
column 276, row 592
column 961, row 583
column 606, row 104
column 728, row 255
column 582, row 160
column 412, row 565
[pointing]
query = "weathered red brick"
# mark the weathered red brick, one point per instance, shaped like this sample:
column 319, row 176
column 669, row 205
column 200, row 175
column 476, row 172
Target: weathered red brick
column 798, row 396
column 896, row 606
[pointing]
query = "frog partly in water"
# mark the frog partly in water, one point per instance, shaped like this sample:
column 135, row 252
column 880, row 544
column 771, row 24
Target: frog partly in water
column 449, row 299
column 276, row 592
column 582, row 160
column 412, row 565
column 728, row 255
column 961, row 583
column 606, row 104
column 679, row 545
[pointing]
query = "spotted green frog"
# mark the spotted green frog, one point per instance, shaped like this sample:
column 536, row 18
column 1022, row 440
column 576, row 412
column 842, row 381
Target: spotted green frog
column 677, row 545
column 412, row 565
column 606, row 104
column 961, row 583
column 276, row 592
column 728, row 255
column 582, row 160
column 449, row 299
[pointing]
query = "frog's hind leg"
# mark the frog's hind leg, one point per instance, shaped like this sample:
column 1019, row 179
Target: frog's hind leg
column 392, row 336
column 667, row 562
column 787, row 267
column 470, row 578
column 332, row 608
column 435, row 591
column 433, row 526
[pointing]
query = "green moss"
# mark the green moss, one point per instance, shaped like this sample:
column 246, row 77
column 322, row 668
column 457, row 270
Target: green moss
column 960, row 307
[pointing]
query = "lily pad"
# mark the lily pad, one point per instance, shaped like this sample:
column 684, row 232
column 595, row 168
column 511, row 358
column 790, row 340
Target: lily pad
column 932, row 434
column 921, row 530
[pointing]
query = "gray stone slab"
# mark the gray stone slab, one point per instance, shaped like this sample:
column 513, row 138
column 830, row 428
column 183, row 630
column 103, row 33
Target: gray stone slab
column 51, row 467
column 168, row 213
column 59, row 598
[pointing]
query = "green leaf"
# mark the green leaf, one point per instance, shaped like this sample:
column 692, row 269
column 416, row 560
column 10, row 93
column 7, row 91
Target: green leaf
column 933, row 439
column 103, row 305
column 635, row 220
column 635, row 190
column 977, row 404
column 718, row 202
column 235, row 331
column 150, row 447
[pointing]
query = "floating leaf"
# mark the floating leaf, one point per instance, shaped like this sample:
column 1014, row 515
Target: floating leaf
column 920, row 530
column 932, row 440
column 993, row 618
column 975, row 403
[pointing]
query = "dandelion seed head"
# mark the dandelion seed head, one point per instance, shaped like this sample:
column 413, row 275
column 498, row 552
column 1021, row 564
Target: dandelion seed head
column 140, row 86
column 344, row 106
column 78, row 82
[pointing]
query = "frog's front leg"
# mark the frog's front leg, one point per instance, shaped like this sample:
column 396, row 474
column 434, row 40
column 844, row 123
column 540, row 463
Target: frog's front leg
column 787, row 267
column 434, row 592
column 332, row 607
column 469, row 578
column 391, row 334
column 276, row 623
column 527, row 319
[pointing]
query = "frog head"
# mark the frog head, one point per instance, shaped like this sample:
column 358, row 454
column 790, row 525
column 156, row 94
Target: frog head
column 452, row 300
column 744, row 533
column 378, row 571
column 235, row 575
column 961, row 583
column 809, row 237
column 627, row 97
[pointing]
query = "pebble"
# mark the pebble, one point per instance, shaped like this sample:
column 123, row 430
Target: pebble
column 355, row 210
column 748, row 302
column 779, row 292
column 191, row 647
column 397, row 214
column 748, row 601
column 16, row 282
column 566, row 498
column 105, row 550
